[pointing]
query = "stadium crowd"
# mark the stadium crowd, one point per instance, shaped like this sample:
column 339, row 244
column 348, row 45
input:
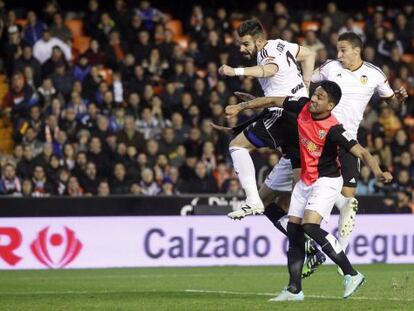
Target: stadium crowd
column 131, row 114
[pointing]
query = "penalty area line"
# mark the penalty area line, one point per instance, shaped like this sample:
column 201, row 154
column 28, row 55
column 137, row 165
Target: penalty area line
column 226, row 292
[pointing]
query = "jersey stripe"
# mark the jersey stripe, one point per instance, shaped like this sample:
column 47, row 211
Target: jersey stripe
column 376, row 68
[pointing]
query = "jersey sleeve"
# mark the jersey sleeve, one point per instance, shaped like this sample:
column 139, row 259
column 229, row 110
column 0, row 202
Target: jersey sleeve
column 383, row 88
column 295, row 104
column 321, row 73
column 341, row 137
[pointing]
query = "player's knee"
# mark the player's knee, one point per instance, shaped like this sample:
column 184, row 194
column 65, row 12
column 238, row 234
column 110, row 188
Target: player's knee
column 310, row 229
column 348, row 192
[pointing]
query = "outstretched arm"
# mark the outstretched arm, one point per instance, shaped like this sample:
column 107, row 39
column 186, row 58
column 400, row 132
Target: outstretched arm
column 370, row 161
column 260, row 102
column 259, row 71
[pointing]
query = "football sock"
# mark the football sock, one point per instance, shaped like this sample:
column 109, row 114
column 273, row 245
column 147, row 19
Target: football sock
column 273, row 212
column 341, row 202
column 330, row 247
column 296, row 256
column 244, row 168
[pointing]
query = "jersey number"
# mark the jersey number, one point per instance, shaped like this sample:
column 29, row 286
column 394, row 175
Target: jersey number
column 289, row 59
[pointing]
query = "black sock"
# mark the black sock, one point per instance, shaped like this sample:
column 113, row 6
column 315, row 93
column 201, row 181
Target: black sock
column 296, row 256
column 320, row 236
column 273, row 212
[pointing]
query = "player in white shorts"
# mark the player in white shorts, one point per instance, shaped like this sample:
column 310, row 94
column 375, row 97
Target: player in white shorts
column 358, row 80
column 313, row 197
column 279, row 75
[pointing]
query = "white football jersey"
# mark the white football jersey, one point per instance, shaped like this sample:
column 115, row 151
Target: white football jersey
column 357, row 88
column 288, row 81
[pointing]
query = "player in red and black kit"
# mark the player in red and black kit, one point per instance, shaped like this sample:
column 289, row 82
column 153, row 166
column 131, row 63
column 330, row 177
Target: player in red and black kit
column 314, row 195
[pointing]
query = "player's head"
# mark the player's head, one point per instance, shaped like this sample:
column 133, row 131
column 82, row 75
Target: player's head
column 349, row 48
column 326, row 96
column 252, row 37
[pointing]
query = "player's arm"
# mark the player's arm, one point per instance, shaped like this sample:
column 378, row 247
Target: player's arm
column 371, row 162
column 259, row 71
column 257, row 103
column 397, row 98
column 306, row 57
column 345, row 140
column 291, row 104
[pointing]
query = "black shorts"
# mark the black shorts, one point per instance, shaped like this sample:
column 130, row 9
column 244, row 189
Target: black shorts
column 265, row 131
column 350, row 167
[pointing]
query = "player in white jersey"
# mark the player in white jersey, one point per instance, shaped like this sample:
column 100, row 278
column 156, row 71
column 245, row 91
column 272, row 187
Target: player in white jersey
column 279, row 75
column 358, row 80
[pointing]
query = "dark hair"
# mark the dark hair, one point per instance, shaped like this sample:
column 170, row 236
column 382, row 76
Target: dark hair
column 352, row 38
column 250, row 27
column 333, row 90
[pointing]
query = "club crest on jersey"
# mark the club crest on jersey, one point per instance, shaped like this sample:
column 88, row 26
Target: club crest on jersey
column 321, row 134
column 364, row 79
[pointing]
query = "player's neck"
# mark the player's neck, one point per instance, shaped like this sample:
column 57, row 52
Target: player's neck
column 321, row 116
column 262, row 45
column 356, row 65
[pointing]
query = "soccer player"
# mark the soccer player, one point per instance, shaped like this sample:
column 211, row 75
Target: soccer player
column 313, row 197
column 358, row 80
column 279, row 75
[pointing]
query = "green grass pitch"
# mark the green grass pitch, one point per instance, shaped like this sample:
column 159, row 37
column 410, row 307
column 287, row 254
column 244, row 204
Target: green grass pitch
column 388, row 287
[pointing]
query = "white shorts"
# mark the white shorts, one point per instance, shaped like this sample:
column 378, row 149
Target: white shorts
column 319, row 197
column 281, row 176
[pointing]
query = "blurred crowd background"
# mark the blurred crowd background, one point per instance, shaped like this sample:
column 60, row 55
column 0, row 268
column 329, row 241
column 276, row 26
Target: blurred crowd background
column 117, row 97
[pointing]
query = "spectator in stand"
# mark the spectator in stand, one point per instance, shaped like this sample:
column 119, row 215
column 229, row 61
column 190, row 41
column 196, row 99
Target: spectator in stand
column 34, row 29
column 42, row 49
column 147, row 184
column 74, row 189
column 90, row 181
column 130, row 136
column 366, row 185
column 41, row 185
column 149, row 15
column 26, row 165
column 59, row 30
column 27, row 188
column 104, row 189
column 26, row 59
column 202, row 182
column 10, row 184
column 234, row 188
column 55, row 60
column 388, row 43
column 119, row 182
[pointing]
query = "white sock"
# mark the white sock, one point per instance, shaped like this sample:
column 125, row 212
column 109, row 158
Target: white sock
column 341, row 201
column 244, row 168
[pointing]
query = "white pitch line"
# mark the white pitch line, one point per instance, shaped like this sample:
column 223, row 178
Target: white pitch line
column 225, row 292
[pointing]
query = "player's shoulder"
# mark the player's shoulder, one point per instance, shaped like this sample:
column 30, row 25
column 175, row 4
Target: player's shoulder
column 375, row 70
column 330, row 63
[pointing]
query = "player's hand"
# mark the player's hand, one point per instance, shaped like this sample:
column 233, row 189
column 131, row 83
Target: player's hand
column 223, row 129
column 232, row 111
column 244, row 96
column 225, row 70
column 401, row 94
column 385, row 177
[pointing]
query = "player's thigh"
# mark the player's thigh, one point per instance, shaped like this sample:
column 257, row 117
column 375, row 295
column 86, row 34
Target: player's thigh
column 281, row 176
column 242, row 142
column 324, row 193
column 350, row 169
column 299, row 199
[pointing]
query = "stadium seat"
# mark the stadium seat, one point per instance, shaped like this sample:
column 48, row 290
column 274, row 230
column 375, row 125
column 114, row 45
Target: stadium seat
column 309, row 25
column 407, row 58
column 235, row 23
column 360, row 24
column 175, row 26
column 75, row 26
column 81, row 43
column 183, row 41
column 21, row 22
